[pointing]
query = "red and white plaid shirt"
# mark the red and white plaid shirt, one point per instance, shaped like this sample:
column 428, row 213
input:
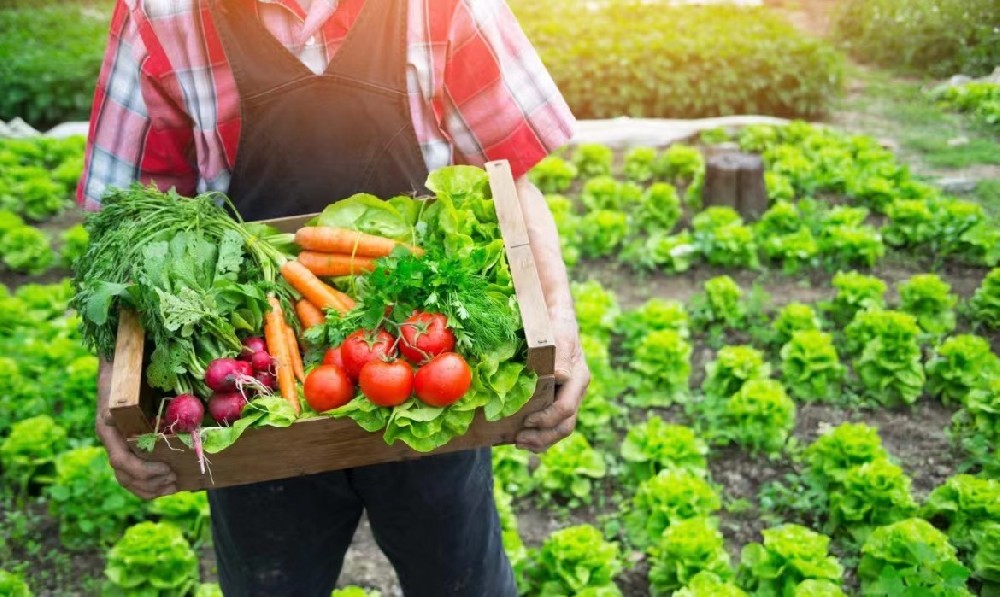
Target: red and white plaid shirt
column 166, row 108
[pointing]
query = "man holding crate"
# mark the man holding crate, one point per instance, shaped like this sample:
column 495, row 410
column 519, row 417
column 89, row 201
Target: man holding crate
column 286, row 105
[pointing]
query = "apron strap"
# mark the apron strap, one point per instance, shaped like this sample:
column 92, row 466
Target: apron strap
column 378, row 19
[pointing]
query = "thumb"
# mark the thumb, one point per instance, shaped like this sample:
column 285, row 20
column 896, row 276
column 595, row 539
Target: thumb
column 567, row 354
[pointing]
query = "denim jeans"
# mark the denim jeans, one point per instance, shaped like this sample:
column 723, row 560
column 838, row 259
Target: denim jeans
column 434, row 518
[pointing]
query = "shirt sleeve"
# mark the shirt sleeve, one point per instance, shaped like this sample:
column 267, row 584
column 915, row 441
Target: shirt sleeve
column 499, row 100
column 138, row 128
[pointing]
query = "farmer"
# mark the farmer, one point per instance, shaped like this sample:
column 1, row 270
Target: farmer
column 287, row 105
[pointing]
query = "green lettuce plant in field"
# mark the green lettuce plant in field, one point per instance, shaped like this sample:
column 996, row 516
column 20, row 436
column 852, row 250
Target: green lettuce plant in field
column 840, row 449
column 760, row 416
column 92, row 508
column 188, row 511
column 593, row 159
column 28, row 454
column 639, row 164
column 669, row 497
column 719, row 306
column 602, row 231
column 928, row 298
column 985, row 304
column 27, row 250
column 788, row 555
column 656, row 445
column 977, row 424
column 607, row 193
column 779, row 187
column 687, row 548
column 656, row 314
column 568, row 469
column 575, row 561
column 722, row 238
column 663, row 361
column 671, row 253
column 810, row 366
column 566, row 223
column 794, row 251
column 596, row 413
column 679, row 164
column 12, row 585
column 911, row 557
column 967, row 509
column 513, row 546
column 794, row 317
column 510, row 469
column 959, row 365
column 596, row 307
column 659, row 209
column 911, row 223
column 871, row 495
column 152, row 559
column 887, row 357
column 706, row 584
column 980, row 98
column 553, row 174
column 818, row 588
column 734, row 366
column 855, row 292
column 74, row 244
column 783, row 217
column 845, row 246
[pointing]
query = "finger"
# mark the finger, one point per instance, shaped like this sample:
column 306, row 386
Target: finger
column 123, row 458
column 566, row 403
column 567, row 354
column 539, row 440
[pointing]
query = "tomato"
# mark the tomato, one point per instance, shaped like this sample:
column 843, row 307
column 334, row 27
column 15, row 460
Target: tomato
column 424, row 336
column 443, row 380
column 363, row 346
column 333, row 357
column 328, row 386
column 386, row 383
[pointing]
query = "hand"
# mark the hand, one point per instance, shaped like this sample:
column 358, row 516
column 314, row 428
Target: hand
column 548, row 426
column 143, row 478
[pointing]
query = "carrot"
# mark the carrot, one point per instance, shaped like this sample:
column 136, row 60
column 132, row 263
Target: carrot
column 309, row 286
column 335, row 264
column 309, row 314
column 296, row 355
column 345, row 240
column 344, row 299
column 277, row 343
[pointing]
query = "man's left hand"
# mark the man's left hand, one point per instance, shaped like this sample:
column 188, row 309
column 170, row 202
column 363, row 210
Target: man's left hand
column 548, row 426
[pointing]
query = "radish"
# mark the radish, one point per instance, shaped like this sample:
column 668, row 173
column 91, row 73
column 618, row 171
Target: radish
column 261, row 361
column 252, row 346
column 226, row 407
column 222, row 375
column 183, row 414
column 266, row 378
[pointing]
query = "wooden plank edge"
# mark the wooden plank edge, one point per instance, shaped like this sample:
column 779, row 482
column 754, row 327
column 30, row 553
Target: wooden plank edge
column 127, row 377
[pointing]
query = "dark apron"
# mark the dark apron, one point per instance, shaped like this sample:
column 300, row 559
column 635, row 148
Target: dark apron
column 307, row 140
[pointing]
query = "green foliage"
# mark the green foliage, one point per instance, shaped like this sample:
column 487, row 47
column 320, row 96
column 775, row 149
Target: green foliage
column 596, row 307
column 48, row 73
column 844, row 246
column 732, row 368
column 27, row 250
column 722, row 238
column 671, row 253
column 188, row 511
column 74, row 244
column 985, row 304
column 706, row 584
column 92, row 507
column 794, row 317
column 679, row 164
column 510, row 469
column 942, row 37
column 842, row 448
column 596, row 413
column 575, row 561
column 593, row 159
column 687, row 548
column 978, row 422
column 553, row 174
column 655, row 446
column 152, row 558
column 651, row 59
column 760, row 416
column 667, row 498
column 887, row 356
column 639, row 164
column 928, row 298
column 959, row 365
column 568, row 469
column 720, row 305
column 655, row 315
column 810, row 366
column 29, row 453
column 789, row 555
column 873, row 494
column 794, row 251
column 855, row 292
column 979, row 98
column 660, row 208
column 964, row 507
column 604, row 192
column 818, row 588
column 602, row 231
column 663, row 359
column 12, row 585
column 911, row 557
column 513, row 546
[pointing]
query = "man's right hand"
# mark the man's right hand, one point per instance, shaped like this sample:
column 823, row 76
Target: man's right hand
column 144, row 478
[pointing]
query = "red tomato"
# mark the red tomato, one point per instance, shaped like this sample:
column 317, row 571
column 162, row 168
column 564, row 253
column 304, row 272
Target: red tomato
column 443, row 380
column 333, row 357
column 423, row 336
column 363, row 346
column 328, row 386
column 386, row 383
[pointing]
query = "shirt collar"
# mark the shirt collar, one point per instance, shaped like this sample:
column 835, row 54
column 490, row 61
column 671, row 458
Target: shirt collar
column 319, row 13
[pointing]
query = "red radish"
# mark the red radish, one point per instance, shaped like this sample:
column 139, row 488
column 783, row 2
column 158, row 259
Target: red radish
column 261, row 361
column 183, row 414
column 222, row 375
column 226, row 407
column 266, row 379
column 253, row 345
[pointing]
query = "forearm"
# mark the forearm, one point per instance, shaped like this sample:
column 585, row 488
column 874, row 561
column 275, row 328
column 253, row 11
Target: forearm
column 544, row 239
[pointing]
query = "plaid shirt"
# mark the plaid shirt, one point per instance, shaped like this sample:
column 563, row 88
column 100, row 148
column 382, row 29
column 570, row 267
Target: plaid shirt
column 166, row 109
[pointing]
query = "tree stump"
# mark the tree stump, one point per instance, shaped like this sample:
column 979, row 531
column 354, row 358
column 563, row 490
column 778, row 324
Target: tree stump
column 736, row 180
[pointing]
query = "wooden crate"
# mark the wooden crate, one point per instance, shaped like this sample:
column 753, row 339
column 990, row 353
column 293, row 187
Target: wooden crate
column 321, row 443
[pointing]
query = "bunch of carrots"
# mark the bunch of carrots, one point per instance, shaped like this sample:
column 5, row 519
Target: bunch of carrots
column 326, row 251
